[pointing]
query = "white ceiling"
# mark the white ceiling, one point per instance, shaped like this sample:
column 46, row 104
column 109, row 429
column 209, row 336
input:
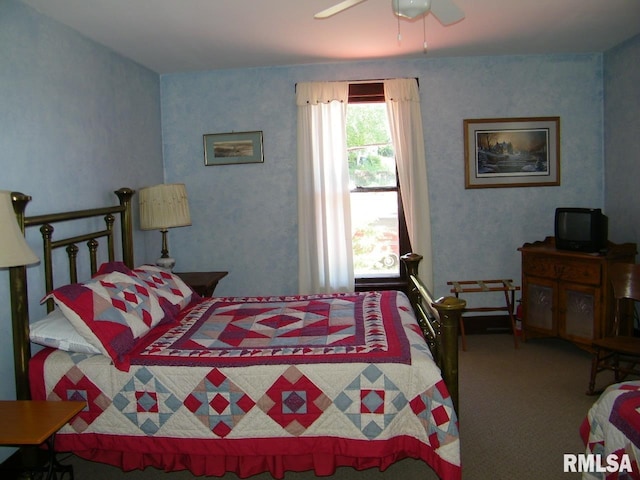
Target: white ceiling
column 188, row 35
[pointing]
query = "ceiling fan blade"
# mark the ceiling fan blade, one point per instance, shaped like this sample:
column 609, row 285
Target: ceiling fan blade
column 337, row 8
column 446, row 11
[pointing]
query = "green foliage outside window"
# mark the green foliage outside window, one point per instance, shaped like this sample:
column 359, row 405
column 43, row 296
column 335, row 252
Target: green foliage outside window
column 370, row 155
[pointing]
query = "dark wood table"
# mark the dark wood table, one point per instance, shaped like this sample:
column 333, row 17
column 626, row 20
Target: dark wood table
column 203, row 283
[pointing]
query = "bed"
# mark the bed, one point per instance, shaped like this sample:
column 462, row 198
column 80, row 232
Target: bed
column 243, row 385
column 612, row 427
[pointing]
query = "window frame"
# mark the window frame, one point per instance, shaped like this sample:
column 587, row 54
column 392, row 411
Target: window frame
column 373, row 92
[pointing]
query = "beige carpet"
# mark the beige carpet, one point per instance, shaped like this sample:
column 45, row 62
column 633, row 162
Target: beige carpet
column 521, row 409
column 520, row 412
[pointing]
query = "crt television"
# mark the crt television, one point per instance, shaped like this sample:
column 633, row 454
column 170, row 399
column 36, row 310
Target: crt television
column 581, row 229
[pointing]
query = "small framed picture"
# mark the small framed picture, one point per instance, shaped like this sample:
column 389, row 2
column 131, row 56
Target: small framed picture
column 512, row 152
column 233, row 148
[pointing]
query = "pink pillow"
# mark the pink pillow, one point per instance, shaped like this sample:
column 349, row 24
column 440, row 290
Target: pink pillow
column 111, row 312
column 110, row 267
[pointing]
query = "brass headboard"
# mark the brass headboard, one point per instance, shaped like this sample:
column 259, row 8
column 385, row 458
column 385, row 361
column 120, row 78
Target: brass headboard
column 18, row 275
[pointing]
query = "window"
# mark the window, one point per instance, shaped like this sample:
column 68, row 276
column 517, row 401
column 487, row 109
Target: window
column 324, row 246
column 378, row 228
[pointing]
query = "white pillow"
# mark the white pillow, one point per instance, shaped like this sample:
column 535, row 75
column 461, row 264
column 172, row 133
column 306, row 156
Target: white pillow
column 56, row 331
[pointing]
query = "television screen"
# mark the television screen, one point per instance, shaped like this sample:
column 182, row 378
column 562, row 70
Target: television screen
column 581, row 229
column 576, row 226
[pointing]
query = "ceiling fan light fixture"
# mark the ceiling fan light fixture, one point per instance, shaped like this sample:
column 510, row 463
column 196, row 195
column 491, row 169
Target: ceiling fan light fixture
column 411, row 8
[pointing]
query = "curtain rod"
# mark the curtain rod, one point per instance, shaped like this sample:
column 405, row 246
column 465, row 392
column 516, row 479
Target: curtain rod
column 379, row 80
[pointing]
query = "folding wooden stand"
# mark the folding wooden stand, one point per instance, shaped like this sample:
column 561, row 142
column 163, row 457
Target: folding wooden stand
column 479, row 286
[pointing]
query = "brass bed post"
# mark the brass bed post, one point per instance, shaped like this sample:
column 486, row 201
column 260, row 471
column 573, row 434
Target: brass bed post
column 46, row 231
column 125, row 195
column 450, row 310
column 72, row 254
column 92, row 245
column 20, row 310
column 109, row 221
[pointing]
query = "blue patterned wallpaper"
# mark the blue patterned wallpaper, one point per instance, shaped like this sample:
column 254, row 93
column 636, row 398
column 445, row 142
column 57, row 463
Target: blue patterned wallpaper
column 622, row 142
column 77, row 121
column 244, row 216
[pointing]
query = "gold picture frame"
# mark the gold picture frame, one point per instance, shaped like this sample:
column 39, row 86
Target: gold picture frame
column 512, row 152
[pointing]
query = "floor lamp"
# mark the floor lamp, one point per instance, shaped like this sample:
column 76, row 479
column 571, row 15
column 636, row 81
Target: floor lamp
column 15, row 254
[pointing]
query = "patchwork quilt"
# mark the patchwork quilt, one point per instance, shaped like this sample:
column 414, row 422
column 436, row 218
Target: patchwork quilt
column 612, row 427
column 263, row 384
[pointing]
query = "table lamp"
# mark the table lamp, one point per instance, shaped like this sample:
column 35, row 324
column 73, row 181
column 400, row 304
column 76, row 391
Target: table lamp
column 15, row 253
column 162, row 207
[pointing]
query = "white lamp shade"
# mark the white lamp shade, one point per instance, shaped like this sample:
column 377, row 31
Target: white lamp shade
column 14, row 250
column 164, row 206
column 411, row 8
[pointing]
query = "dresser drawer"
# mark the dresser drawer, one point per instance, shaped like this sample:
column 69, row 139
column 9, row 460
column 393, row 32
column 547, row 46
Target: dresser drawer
column 579, row 272
column 538, row 266
column 562, row 269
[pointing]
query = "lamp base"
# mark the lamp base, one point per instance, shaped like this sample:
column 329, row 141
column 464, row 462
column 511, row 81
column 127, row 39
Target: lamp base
column 166, row 262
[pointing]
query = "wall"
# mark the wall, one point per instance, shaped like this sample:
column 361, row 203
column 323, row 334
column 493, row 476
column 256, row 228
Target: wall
column 244, row 216
column 77, row 122
column 622, row 142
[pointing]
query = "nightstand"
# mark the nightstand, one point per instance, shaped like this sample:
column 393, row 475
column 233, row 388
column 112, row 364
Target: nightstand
column 203, row 283
column 33, row 422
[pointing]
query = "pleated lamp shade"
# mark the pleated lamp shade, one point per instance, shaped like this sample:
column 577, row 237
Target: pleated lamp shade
column 164, row 206
column 14, row 250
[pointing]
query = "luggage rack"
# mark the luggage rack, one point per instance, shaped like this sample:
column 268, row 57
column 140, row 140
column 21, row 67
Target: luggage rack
column 480, row 286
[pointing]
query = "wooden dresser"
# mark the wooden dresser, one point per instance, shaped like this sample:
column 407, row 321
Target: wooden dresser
column 567, row 294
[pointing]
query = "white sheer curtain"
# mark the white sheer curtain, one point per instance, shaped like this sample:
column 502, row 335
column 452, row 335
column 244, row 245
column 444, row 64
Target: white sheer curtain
column 403, row 106
column 324, row 210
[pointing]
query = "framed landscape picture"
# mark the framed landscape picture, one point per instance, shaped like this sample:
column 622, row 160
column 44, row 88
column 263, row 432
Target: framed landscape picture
column 232, row 148
column 512, row 152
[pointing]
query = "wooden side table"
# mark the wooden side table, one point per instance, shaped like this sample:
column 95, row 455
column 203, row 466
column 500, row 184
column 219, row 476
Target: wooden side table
column 33, row 422
column 203, row 283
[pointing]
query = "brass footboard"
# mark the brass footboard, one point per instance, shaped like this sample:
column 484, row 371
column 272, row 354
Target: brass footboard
column 439, row 320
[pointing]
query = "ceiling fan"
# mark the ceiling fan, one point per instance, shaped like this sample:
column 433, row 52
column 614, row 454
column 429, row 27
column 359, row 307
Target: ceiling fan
column 444, row 10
